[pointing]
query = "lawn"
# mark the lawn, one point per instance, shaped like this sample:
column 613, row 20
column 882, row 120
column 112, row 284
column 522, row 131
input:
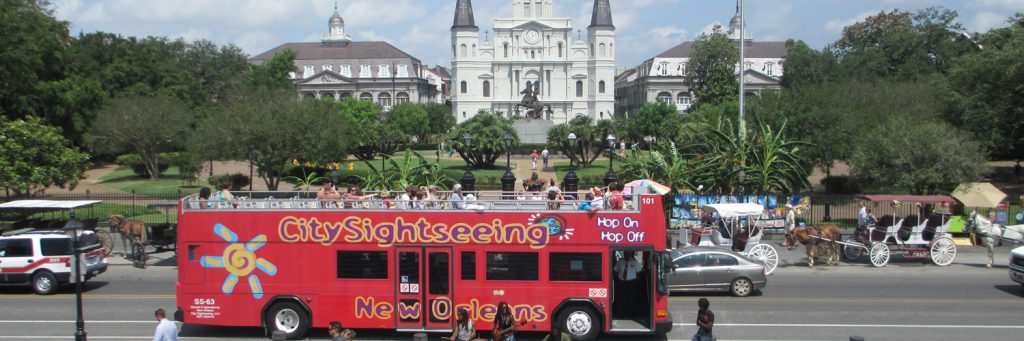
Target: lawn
column 123, row 179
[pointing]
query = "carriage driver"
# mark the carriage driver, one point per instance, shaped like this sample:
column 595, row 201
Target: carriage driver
column 790, row 224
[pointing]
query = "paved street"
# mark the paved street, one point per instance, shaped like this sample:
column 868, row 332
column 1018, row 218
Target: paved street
column 907, row 300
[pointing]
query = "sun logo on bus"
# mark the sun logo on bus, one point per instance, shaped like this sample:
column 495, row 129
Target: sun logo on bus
column 240, row 260
column 555, row 223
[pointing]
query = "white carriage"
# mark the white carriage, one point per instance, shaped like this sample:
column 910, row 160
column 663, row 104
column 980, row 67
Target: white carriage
column 739, row 222
column 913, row 237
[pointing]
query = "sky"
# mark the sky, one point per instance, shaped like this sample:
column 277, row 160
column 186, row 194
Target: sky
column 644, row 28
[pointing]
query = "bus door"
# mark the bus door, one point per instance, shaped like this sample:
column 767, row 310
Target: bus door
column 632, row 299
column 424, row 288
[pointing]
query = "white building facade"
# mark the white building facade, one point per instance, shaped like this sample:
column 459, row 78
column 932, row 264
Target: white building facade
column 533, row 49
column 663, row 78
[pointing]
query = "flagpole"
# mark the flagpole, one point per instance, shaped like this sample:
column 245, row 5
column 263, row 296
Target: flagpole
column 742, row 126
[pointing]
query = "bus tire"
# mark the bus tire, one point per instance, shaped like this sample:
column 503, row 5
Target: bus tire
column 288, row 317
column 580, row 322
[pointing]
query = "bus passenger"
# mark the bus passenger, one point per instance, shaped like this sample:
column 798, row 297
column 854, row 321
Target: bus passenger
column 463, row 327
column 204, row 198
column 352, row 197
column 554, row 200
column 584, row 204
column 615, row 199
column 505, row 324
column 225, row 198
column 457, row 201
column 598, row 202
column 329, row 194
column 405, row 201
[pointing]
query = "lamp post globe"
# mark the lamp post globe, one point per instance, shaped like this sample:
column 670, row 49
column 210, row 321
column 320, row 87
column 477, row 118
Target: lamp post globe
column 571, row 181
column 610, row 176
column 467, row 180
column 508, row 180
column 73, row 228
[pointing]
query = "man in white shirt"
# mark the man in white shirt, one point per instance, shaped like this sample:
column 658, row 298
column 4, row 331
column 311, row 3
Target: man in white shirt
column 544, row 156
column 165, row 330
column 862, row 216
column 625, row 272
column 458, row 202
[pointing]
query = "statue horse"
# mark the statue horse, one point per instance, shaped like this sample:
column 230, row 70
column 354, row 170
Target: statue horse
column 535, row 110
column 813, row 237
column 993, row 233
column 133, row 230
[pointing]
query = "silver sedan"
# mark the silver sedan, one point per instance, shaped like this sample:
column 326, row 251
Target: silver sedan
column 713, row 269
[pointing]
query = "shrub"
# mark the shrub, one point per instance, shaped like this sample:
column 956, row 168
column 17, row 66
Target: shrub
column 238, row 180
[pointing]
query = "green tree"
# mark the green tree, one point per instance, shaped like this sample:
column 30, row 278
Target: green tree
column 653, row 119
column 146, row 126
column 808, row 67
column 665, row 164
column 273, row 73
column 33, row 53
column 923, row 157
column 374, row 137
column 441, row 118
column 985, row 93
column 275, row 128
column 711, row 72
column 488, row 131
column 766, row 159
column 411, row 119
column 219, row 70
column 590, row 139
column 34, row 156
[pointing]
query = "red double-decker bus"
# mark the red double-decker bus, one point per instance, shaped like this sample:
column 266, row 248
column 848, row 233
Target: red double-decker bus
column 292, row 265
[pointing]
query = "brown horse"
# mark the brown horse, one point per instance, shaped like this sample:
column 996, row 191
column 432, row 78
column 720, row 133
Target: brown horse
column 812, row 237
column 130, row 229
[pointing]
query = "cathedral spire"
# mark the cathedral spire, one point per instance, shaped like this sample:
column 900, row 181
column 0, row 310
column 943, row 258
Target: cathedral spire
column 464, row 15
column 602, row 16
column 336, row 28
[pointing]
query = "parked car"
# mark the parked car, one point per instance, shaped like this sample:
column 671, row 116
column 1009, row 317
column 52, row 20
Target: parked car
column 1017, row 265
column 43, row 259
column 714, row 269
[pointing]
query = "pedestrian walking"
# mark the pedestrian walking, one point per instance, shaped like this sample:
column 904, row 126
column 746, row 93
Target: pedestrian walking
column 165, row 330
column 705, row 321
column 533, row 156
column 544, row 155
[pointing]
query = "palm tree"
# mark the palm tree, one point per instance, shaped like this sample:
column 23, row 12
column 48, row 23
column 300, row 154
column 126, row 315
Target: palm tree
column 768, row 161
column 664, row 164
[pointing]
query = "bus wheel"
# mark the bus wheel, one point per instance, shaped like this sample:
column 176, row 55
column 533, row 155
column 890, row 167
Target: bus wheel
column 289, row 318
column 580, row 322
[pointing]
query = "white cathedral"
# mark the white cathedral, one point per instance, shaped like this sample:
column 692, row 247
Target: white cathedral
column 534, row 49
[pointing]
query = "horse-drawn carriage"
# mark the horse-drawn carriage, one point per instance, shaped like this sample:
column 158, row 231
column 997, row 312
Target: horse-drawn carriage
column 136, row 234
column 921, row 235
column 735, row 225
column 65, row 210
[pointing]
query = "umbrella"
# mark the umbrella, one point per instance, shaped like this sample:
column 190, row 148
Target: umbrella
column 657, row 187
column 978, row 194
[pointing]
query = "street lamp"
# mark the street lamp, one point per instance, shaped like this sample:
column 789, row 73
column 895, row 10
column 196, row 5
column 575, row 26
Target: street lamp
column 252, row 155
column 383, row 146
column 571, row 181
column 610, row 176
column 508, row 180
column 828, row 183
column 468, row 181
column 73, row 229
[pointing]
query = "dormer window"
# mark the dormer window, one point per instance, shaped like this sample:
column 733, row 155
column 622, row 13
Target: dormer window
column 664, row 68
column 364, row 71
column 308, row 71
column 346, row 70
column 403, row 70
column 383, row 71
column 769, row 68
column 327, row 68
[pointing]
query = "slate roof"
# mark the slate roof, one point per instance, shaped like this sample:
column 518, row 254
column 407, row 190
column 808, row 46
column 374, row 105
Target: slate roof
column 756, row 49
column 464, row 15
column 602, row 15
column 326, row 51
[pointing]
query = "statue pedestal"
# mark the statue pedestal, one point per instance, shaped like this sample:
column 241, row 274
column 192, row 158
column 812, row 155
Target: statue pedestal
column 533, row 131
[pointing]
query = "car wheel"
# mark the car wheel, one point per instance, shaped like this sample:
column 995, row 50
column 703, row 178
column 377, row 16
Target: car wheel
column 580, row 323
column 289, row 318
column 44, row 283
column 741, row 287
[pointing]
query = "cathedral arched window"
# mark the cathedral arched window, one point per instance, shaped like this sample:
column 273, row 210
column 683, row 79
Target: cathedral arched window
column 506, row 50
column 366, row 96
column 540, row 10
column 533, row 55
column 579, row 88
column 462, row 50
column 600, row 87
column 462, row 87
column 592, row 49
column 487, row 89
column 474, row 50
column 559, row 49
column 384, row 99
column 402, row 98
column 602, row 51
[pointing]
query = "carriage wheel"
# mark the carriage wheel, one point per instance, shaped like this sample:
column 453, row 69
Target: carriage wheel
column 879, row 254
column 943, row 251
column 105, row 241
column 765, row 254
column 852, row 250
column 139, row 255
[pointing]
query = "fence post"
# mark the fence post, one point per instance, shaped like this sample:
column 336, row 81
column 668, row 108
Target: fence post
column 133, row 202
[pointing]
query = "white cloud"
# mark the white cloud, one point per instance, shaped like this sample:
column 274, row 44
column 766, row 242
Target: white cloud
column 984, row 21
column 837, row 25
column 372, row 36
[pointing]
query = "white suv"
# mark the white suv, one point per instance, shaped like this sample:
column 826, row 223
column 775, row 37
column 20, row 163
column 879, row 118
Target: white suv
column 1017, row 265
column 44, row 259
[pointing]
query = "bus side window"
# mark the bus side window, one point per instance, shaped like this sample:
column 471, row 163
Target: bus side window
column 468, row 265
